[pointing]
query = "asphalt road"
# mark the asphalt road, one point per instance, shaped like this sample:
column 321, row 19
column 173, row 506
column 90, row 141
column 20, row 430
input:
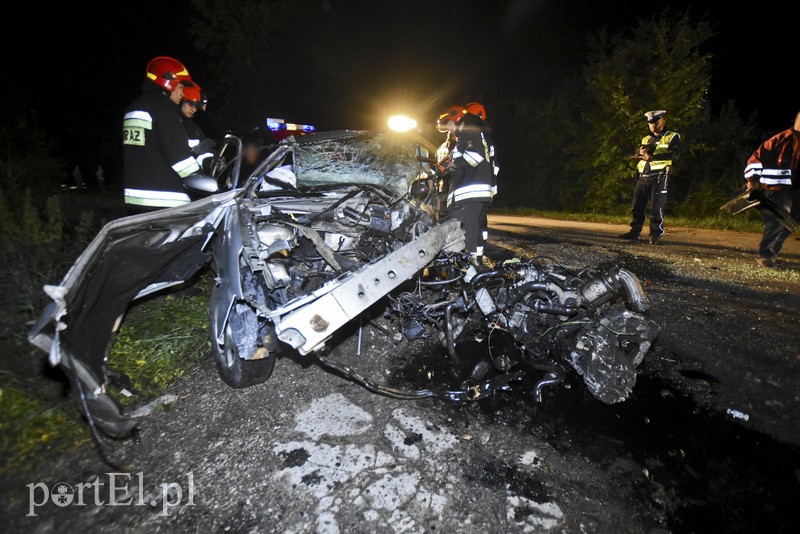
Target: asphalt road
column 708, row 441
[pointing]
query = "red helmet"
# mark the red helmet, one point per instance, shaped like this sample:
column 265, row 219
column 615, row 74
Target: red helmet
column 453, row 113
column 476, row 108
column 193, row 93
column 167, row 72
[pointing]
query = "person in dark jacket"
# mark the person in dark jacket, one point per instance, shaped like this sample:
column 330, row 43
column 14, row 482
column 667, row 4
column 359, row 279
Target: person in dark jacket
column 194, row 100
column 477, row 109
column 472, row 180
column 774, row 167
column 156, row 154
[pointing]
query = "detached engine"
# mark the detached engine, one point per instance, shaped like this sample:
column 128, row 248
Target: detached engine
column 551, row 317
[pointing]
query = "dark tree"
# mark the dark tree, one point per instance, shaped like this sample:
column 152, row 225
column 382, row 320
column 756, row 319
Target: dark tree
column 659, row 64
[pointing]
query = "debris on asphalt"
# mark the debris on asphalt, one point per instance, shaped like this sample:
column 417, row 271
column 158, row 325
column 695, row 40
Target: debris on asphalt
column 736, row 414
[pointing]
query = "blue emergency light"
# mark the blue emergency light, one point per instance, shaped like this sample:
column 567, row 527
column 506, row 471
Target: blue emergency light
column 279, row 124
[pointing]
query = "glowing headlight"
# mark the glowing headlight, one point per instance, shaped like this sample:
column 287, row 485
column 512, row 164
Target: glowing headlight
column 401, row 123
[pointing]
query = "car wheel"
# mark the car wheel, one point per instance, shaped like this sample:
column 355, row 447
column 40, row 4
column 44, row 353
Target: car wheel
column 240, row 339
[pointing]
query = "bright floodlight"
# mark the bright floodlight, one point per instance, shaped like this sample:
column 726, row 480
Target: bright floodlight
column 401, row 123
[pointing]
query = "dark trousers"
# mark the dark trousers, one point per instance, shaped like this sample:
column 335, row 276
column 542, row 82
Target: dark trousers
column 650, row 188
column 470, row 214
column 774, row 232
column 485, row 223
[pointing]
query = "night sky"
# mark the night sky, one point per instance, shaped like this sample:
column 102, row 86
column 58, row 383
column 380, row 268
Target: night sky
column 79, row 70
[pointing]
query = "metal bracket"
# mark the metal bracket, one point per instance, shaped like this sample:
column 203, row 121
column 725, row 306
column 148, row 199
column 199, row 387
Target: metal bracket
column 308, row 327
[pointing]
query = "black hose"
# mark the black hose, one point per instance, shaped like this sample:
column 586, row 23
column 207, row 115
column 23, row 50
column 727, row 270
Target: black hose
column 373, row 386
column 353, row 214
column 555, row 309
column 491, row 275
column 515, row 294
column 480, row 278
column 338, row 203
column 473, row 393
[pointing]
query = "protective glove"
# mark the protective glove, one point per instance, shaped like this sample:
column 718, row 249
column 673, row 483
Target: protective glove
column 205, row 146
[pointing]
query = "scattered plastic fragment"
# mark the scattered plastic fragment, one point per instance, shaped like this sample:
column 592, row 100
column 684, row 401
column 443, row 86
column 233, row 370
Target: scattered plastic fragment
column 736, row 414
column 149, row 408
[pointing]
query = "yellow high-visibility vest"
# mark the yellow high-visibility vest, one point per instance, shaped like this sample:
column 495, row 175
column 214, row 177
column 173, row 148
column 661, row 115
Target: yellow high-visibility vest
column 662, row 147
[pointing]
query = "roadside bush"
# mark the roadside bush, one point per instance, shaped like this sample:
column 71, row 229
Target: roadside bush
column 37, row 248
column 28, row 226
column 571, row 151
column 703, row 202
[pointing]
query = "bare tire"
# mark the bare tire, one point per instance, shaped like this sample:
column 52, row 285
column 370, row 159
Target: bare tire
column 241, row 338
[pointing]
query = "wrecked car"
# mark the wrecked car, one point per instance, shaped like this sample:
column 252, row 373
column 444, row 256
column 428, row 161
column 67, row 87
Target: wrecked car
column 327, row 228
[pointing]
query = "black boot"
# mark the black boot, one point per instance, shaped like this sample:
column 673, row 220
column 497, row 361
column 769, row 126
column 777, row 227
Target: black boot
column 632, row 235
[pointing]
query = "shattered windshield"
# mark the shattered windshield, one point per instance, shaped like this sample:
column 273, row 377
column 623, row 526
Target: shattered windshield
column 384, row 159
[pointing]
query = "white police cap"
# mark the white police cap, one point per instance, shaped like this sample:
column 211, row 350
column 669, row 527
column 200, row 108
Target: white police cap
column 653, row 116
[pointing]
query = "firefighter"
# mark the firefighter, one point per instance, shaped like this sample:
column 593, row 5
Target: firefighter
column 477, row 109
column 472, row 178
column 444, row 161
column 774, row 167
column 156, row 155
column 656, row 153
column 202, row 147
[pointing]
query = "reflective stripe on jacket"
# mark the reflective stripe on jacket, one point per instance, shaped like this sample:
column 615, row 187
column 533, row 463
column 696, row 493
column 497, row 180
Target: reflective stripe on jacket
column 776, row 161
column 662, row 156
column 473, row 160
column 155, row 148
column 155, row 199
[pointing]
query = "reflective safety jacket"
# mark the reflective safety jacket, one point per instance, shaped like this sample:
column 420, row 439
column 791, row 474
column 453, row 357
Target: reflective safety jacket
column 474, row 165
column 155, row 149
column 776, row 162
column 663, row 149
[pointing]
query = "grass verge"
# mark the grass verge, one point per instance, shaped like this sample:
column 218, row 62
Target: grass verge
column 161, row 340
column 30, row 429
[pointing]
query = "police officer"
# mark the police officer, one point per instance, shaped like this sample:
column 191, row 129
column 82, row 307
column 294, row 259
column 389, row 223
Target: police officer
column 157, row 159
column 774, row 167
column 472, row 179
column 656, row 153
